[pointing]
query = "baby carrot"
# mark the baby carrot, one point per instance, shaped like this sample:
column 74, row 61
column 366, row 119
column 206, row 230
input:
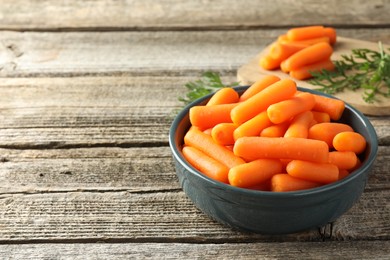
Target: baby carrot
column 252, row 148
column 253, row 126
column 343, row 173
column 334, row 107
column 275, row 130
column 331, row 34
column 223, row 133
column 305, row 72
column 278, row 91
column 208, row 116
column 258, row 86
column 284, row 110
column 327, row 131
column 321, row 117
column 306, row 32
column 269, row 63
column 343, row 160
column 309, row 55
column 282, row 38
column 206, row 144
column 310, row 171
column 312, row 41
column 349, row 141
column 284, row 182
column 253, row 173
column 299, row 126
column 223, row 96
column 281, row 51
column 205, row 164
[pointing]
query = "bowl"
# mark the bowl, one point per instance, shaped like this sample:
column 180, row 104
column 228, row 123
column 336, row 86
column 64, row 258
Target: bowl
column 269, row 212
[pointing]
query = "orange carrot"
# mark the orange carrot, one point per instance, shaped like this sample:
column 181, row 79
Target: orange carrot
column 284, row 110
column 309, row 55
column 275, row 130
column 304, row 33
column 305, row 72
column 312, row 41
column 284, row 182
column 299, row 126
column 253, row 126
column 316, row 172
column 278, row 91
column 327, row 131
column 223, row 133
column 205, row 164
column 283, row 67
column 343, row 160
column 331, row 34
column 258, row 86
column 253, row 173
column 343, row 173
column 321, row 117
column 223, row 96
column 349, row 141
column 282, row 38
column 206, row 144
column 281, row 51
column 269, row 63
column 208, row 116
column 252, row 148
column 334, row 107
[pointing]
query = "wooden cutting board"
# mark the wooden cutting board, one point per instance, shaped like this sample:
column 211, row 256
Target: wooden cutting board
column 250, row 72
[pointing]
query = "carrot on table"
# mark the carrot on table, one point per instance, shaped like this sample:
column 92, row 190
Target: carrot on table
column 252, row 148
column 305, row 72
column 284, row 182
column 327, row 131
column 309, row 55
column 320, row 117
column 206, row 144
column 284, row 110
column 311, row 171
column 332, row 106
column 223, row 96
column 312, row 41
column 254, row 173
column 275, row 130
column 343, row 160
column 269, row 63
column 253, row 126
column 258, row 86
column 276, row 92
column 208, row 116
column 281, row 51
column 299, row 126
column 349, row 141
column 305, row 32
column 205, row 164
column 223, row 133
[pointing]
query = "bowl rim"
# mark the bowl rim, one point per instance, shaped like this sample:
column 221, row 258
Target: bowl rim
column 313, row 191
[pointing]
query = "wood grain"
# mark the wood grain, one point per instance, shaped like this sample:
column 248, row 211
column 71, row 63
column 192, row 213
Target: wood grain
column 149, row 14
column 64, row 54
column 286, row 250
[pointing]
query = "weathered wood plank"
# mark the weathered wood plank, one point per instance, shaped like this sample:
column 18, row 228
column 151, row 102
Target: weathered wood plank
column 148, row 169
column 158, row 217
column 123, row 53
column 97, row 111
column 288, row 250
column 140, row 14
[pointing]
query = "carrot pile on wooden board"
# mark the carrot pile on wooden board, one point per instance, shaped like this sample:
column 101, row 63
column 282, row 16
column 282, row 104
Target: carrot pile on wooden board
column 301, row 50
column 272, row 137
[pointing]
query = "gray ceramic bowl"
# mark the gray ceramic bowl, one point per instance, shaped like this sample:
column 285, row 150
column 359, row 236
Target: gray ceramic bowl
column 273, row 212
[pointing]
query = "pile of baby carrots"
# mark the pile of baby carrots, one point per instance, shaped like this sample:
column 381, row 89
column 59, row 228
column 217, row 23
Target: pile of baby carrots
column 272, row 138
column 301, row 50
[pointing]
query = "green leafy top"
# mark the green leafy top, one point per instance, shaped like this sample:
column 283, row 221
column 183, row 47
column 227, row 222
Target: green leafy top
column 364, row 69
column 208, row 83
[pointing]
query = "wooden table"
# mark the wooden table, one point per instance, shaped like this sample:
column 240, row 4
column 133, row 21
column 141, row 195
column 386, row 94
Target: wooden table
column 88, row 91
